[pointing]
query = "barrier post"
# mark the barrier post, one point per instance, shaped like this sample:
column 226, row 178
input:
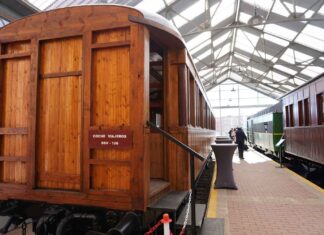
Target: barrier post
column 166, row 224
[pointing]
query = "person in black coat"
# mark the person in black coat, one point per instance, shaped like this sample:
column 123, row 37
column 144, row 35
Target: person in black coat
column 240, row 140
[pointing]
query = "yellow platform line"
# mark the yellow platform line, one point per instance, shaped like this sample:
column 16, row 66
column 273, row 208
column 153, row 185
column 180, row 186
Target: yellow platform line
column 212, row 202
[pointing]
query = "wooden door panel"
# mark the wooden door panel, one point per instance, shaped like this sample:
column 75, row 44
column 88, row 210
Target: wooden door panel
column 14, row 95
column 59, row 114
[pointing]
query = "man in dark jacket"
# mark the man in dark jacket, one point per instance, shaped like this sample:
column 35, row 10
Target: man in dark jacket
column 240, row 139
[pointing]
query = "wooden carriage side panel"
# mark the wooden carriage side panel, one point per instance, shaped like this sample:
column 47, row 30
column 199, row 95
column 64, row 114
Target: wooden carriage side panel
column 110, row 108
column 178, row 161
column 14, row 100
column 157, row 157
column 59, row 114
column 172, row 89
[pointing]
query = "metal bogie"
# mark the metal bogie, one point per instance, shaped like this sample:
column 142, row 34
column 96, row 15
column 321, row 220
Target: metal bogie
column 67, row 220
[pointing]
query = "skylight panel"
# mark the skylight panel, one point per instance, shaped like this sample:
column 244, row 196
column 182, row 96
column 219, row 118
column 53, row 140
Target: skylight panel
column 3, row 22
column 178, row 21
column 276, row 76
column 246, row 41
column 312, row 71
column 247, row 37
column 41, row 4
column 236, row 77
column 291, row 7
column 285, row 69
column 275, row 40
column 213, row 9
column 279, row 9
column 206, row 77
column 222, row 51
column 248, row 48
column 312, row 36
column 321, row 11
column 200, row 46
column 298, row 81
column 274, row 59
column 288, row 87
column 293, row 56
column 198, row 39
column 254, row 70
column 280, row 31
column 169, row 1
column 221, row 39
column 224, row 11
column 204, row 72
column 204, row 54
column 244, row 18
column 261, row 54
column 147, row 5
column 265, row 88
column 190, row 13
column 241, row 57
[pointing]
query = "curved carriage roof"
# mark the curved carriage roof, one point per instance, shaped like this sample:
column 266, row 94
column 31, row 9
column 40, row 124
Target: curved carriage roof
column 276, row 108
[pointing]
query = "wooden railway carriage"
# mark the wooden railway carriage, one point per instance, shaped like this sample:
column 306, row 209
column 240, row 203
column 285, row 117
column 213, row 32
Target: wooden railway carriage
column 304, row 121
column 77, row 88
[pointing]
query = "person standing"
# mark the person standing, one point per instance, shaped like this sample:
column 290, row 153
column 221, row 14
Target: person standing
column 231, row 133
column 240, row 140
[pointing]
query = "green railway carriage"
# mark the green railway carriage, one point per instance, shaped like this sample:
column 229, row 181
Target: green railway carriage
column 265, row 128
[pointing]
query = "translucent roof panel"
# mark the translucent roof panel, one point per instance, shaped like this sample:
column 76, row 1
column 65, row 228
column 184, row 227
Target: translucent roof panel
column 293, row 56
column 312, row 71
column 200, row 38
column 312, row 36
column 280, row 31
column 147, row 5
column 222, row 51
column 280, row 9
column 3, row 22
column 41, row 4
column 190, row 13
column 221, row 11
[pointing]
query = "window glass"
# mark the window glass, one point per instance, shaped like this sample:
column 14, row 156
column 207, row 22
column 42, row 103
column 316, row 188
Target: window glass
column 306, row 111
column 287, row 116
column 291, row 115
column 320, row 108
column 300, row 113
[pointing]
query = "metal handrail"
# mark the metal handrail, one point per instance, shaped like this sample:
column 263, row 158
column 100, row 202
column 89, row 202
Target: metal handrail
column 193, row 154
column 174, row 140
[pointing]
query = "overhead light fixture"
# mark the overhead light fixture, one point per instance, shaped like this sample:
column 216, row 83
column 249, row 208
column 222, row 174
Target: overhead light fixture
column 256, row 19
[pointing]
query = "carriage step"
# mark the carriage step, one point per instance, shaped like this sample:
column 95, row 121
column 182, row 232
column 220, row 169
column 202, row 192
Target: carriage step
column 200, row 212
column 170, row 202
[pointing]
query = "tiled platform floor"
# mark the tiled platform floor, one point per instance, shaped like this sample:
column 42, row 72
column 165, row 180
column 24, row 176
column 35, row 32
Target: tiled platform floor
column 269, row 200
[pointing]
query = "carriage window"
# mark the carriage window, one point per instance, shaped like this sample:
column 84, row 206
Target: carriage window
column 291, row 115
column 300, row 113
column 306, row 112
column 320, row 108
column 192, row 101
column 287, row 116
column 156, row 85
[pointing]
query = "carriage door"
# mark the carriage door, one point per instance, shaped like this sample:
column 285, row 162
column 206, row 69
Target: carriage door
column 158, row 160
column 59, row 114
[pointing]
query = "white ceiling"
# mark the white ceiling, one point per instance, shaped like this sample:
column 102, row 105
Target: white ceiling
column 272, row 57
